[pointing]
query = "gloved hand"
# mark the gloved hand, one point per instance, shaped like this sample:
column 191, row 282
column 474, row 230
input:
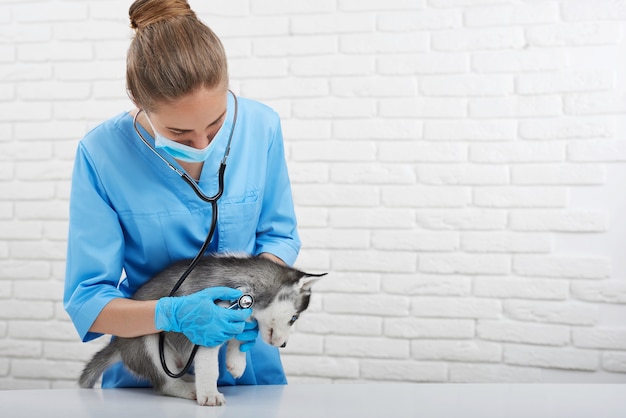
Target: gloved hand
column 248, row 336
column 199, row 318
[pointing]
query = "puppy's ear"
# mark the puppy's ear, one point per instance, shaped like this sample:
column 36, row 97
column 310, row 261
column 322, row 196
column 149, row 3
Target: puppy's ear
column 308, row 280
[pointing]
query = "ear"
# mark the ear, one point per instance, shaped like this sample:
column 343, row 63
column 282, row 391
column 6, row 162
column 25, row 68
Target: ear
column 308, row 280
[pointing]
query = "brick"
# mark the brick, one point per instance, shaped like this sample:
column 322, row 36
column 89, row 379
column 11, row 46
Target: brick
column 466, row 351
column 517, row 152
column 371, row 173
column 520, row 288
column 311, row 217
column 383, row 43
column 350, row 282
column 520, row 197
column 46, row 369
column 414, row 240
column 323, row 366
column 567, row 128
column 305, row 45
column 21, row 229
column 374, row 5
column 57, row 52
column 331, row 66
column 464, row 263
column 478, row 39
column 464, row 174
column 25, row 111
column 597, row 151
column 518, row 61
column 466, row 85
column 614, row 362
column 427, row 284
column 375, row 86
column 335, row 324
column 335, row 238
column 515, row 107
column 304, row 344
column 334, row 107
column 257, row 68
column 570, row 174
column 562, row 266
column 374, row 261
column 559, row 221
column 45, row 12
column 303, row 173
column 412, row 328
column 289, row 7
column 425, row 19
column 429, row 63
column 336, row 23
column 563, row 83
column 462, row 219
column 49, row 130
column 594, row 103
column 574, row 34
column 38, row 330
column 20, row 348
column 366, row 347
column 605, row 291
column 402, row 370
column 566, row 313
column 611, row 339
column 470, row 130
column 25, row 33
column 492, row 373
column 450, row 307
column 558, row 358
column 515, row 332
column 20, row 309
column 375, row 128
column 423, row 108
column 424, row 196
column 302, row 129
column 339, row 195
column 512, row 15
column 581, row 10
column 421, row 152
column 38, row 290
column 506, row 242
column 278, row 89
column 378, row 305
column 371, row 218
column 333, row 151
column 53, row 170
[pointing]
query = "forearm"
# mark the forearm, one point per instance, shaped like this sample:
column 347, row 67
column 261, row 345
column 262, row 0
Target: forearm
column 272, row 257
column 126, row 318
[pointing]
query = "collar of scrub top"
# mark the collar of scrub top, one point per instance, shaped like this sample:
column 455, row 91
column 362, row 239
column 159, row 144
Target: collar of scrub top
column 186, row 177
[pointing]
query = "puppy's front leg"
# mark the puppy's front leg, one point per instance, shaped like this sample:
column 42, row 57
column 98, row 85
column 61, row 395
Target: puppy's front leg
column 235, row 359
column 207, row 373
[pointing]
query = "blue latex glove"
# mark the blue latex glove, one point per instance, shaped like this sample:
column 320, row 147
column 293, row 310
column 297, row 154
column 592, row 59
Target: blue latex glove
column 199, row 318
column 248, row 336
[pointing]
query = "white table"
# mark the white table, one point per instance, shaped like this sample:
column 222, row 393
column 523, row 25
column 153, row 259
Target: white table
column 326, row 401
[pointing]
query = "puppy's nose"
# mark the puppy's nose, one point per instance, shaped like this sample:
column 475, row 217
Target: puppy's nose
column 284, row 345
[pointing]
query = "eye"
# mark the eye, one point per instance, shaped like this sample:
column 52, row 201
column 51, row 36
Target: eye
column 178, row 134
column 293, row 319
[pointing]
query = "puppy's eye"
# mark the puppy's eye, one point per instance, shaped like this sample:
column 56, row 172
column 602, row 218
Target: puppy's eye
column 293, row 319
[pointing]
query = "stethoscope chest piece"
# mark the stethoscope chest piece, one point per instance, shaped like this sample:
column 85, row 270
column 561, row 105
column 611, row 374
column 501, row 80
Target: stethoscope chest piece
column 245, row 301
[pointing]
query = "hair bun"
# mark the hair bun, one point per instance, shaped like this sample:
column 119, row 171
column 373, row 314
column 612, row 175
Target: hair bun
column 143, row 13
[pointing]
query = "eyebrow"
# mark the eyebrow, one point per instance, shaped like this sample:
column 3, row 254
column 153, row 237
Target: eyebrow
column 191, row 130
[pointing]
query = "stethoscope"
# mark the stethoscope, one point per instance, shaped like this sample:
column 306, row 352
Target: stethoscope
column 246, row 300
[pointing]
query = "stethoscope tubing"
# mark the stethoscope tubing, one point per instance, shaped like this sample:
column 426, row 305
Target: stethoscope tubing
column 214, row 208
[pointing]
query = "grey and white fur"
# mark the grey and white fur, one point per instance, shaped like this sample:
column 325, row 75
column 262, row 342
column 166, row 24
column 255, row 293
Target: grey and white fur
column 280, row 294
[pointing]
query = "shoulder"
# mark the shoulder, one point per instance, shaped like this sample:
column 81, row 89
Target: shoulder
column 108, row 132
column 257, row 111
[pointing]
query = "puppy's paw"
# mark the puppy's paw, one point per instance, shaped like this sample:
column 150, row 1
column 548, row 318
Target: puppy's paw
column 236, row 365
column 211, row 399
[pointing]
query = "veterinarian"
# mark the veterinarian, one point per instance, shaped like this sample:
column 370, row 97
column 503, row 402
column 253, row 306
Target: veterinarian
column 131, row 214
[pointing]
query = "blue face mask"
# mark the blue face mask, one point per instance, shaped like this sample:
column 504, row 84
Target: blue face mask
column 181, row 151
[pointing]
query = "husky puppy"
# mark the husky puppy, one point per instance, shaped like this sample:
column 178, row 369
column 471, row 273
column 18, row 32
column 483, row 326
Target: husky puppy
column 280, row 294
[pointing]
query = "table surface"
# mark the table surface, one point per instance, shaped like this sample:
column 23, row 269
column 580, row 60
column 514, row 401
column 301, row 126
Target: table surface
column 326, row 401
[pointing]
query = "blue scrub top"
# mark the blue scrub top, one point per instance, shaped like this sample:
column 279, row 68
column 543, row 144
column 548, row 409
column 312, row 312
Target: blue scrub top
column 131, row 216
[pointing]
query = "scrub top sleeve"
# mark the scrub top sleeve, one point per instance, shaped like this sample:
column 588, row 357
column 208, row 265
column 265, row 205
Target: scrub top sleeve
column 95, row 248
column 276, row 231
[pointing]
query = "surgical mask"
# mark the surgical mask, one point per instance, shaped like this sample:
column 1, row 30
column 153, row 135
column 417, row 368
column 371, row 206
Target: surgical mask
column 181, row 151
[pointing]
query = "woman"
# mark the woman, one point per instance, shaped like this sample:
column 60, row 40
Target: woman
column 131, row 216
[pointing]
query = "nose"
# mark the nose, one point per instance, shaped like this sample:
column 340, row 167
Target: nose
column 284, row 345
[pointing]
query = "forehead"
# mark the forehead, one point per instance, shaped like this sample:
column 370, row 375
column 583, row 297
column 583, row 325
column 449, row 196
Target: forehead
column 196, row 109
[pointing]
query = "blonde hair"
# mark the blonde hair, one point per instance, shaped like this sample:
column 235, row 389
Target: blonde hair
column 172, row 53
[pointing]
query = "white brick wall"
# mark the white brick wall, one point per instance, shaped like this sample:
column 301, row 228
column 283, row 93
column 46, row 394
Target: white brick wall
column 458, row 167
